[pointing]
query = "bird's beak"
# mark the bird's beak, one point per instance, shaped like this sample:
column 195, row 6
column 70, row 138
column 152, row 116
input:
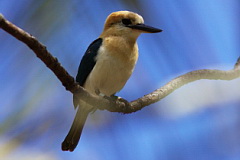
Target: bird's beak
column 145, row 28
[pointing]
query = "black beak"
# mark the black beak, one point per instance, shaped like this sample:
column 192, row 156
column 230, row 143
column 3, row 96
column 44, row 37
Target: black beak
column 145, row 28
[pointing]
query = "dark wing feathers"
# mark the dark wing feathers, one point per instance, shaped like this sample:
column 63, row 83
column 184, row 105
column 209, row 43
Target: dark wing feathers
column 86, row 65
column 88, row 61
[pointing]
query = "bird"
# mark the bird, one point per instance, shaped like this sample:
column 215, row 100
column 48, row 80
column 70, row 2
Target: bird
column 107, row 65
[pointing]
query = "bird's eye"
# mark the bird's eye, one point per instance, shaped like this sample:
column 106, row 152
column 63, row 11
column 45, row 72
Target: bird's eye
column 126, row 21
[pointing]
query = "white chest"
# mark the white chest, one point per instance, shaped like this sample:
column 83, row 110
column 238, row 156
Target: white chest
column 110, row 72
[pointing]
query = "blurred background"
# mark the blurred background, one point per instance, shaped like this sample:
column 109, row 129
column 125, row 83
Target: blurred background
column 199, row 121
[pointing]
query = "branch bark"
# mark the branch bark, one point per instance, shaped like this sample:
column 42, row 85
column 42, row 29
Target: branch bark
column 109, row 103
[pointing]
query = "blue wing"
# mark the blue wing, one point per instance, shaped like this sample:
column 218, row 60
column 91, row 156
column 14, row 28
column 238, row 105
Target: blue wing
column 86, row 65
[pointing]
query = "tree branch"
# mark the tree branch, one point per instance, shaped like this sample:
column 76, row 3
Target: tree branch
column 109, row 103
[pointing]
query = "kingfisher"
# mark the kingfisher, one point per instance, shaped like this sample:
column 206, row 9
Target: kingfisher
column 107, row 65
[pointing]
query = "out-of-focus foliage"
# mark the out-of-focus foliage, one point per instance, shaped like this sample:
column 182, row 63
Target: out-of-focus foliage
column 198, row 121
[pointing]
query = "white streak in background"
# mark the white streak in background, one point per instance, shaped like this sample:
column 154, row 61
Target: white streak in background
column 10, row 150
column 198, row 95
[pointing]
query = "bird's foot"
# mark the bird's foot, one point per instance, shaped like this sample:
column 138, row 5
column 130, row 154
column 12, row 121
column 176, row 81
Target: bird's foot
column 101, row 95
column 115, row 97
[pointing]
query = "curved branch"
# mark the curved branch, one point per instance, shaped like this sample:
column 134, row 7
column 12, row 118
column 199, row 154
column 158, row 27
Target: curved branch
column 178, row 82
column 41, row 52
column 109, row 103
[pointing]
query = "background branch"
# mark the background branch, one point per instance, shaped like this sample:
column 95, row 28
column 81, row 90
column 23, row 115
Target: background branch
column 108, row 103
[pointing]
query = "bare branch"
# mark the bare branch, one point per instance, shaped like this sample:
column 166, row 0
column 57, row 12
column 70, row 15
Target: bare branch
column 178, row 82
column 41, row 52
column 52, row 63
column 109, row 103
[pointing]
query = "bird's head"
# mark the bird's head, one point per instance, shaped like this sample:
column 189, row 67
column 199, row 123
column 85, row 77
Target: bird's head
column 128, row 24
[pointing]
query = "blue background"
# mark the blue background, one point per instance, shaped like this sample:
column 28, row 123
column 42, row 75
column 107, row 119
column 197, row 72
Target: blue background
column 199, row 121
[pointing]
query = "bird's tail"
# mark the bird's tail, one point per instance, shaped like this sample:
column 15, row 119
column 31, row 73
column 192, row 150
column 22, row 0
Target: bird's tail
column 73, row 137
